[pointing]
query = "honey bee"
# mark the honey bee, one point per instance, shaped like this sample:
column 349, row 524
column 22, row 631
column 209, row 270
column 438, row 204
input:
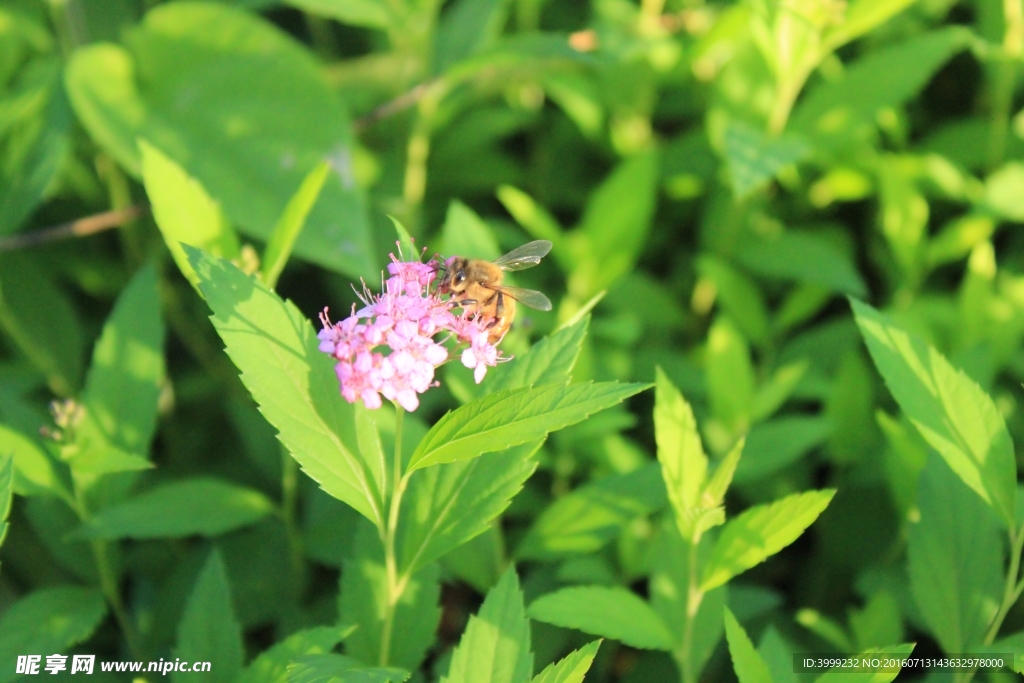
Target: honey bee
column 475, row 285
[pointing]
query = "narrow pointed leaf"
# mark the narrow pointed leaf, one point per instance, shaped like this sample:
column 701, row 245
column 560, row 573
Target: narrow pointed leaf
column 954, row 415
column 549, row 361
column 495, row 648
column 288, row 227
column 513, row 417
column 611, row 612
column 746, row 661
column 760, row 532
column 208, row 630
column 296, row 388
column 571, row 668
column 683, row 463
column 201, row 506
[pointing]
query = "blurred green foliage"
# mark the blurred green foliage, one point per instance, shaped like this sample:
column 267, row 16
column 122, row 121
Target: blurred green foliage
column 716, row 177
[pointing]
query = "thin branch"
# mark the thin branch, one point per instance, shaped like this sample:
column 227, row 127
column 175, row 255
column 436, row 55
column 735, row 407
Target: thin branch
column 90, row 225
column 392, row 107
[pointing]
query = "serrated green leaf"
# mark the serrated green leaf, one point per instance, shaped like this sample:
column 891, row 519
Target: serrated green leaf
column 549, row 361
column 513, row 417
column 363, row 600
column 123, row 385
column 288, row 227
column 714, row 492
column 730, row 376
column 841, row 676
column 746, row 661
column 252, row 118
column 332, row 668
column 296, row 388
column 586, row 519
column 208, row 630
column 271, row 666
column 201, row 506
column 406, row 247
column 611, row 612
column 183, row 211
column 34, row 469
column 449, row 504
column 955, row 560
column 949, row 409
column 495, row 648
column 571, row 668
column 753, row 158
column 778, row 655
column 45, row 621
column 760, row 532
column 683, row 462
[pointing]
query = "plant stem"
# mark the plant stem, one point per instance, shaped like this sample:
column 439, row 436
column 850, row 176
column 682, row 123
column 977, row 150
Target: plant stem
column 395, row 584
column 694, row 596
column 1005, row 80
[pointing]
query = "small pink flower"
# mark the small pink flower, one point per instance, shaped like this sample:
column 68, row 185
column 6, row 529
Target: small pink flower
column 403, row 320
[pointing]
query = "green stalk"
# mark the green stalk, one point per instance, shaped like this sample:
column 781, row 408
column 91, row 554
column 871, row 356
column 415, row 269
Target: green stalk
column 1005, row 80
column 694, row 596
column 395, row 584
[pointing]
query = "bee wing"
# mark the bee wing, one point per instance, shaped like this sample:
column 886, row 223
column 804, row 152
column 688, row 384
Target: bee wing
column 527, row 297
column 526, row 256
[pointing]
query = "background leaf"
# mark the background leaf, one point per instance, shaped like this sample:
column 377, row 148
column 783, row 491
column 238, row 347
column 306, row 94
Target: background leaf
column 611, row 612
column 208, row 630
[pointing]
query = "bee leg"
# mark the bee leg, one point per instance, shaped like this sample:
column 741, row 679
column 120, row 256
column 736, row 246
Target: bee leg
column 499, row 312
column 465, row 302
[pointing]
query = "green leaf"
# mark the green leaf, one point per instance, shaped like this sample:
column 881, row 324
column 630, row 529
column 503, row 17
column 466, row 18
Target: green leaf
column 406, row 247
column 802, row 257
column 184, row 212
column 1002, row 192
column 466, row 234
column 672, row 574
column 200, row 506
column 549, row 361
column 513, row 417
column 123, row 386
column 34, row 470
column 242, row 107
column 772, row 446
column 778, row 655
column 271, row 666
column 861, row 17
column 363, row 601
column 951, row 411
column 746, row 661
column 288, row 227
column 467, row 27
column 730, row 376
column 955, row 560
column 738, row 295
column 571, row 668
column 683, row 462
column 586, row 519
column 47, row 620
column 6, row 492
column 53, row 343
column 760, row 532
column 616, row 222
column 332, row 668
column 841, row 676
column 495, row 647
column 208, row 630
column 753, row 158
column 887, row 77
column 611, row 612
column 448, row 505
column 296, row 388
column 369, row 13
column 39, row 146
column 536, row 221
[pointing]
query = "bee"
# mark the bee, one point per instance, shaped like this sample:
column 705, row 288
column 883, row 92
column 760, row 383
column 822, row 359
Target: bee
column 475, row 285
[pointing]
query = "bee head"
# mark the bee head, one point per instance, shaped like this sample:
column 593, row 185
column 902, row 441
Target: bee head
column 454, row 280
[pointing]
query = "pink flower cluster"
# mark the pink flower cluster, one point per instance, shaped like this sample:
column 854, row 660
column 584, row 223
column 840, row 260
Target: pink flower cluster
column 403, row 319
